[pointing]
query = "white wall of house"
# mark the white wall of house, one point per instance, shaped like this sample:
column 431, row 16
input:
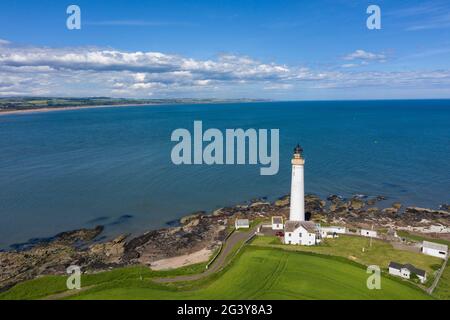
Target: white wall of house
column 396, row 272
column 406, row 274
column 300, row 236
column 277, row 226
column 434, row 252
column 241, row 224
column 368, row 233
column 336, row 229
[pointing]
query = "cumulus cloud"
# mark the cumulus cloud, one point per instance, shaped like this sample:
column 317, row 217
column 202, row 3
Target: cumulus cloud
column 109, row 72
column 365, row 55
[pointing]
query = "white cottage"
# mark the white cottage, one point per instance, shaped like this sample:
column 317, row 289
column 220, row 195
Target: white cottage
column 368, row 233
column 332, row 231
column 435, row 249
column 301, row 232
column 277, row 223
column 406, row 270
column 241, row 224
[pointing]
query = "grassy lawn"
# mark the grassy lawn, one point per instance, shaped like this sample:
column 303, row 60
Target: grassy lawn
column 350, row 247
column 48, row 285
column 442, row 291
column 257, row 273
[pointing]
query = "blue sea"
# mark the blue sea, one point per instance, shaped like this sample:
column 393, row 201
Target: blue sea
column 63, row 170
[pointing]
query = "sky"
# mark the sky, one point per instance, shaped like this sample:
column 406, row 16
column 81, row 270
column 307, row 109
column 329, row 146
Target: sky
column 281, row 50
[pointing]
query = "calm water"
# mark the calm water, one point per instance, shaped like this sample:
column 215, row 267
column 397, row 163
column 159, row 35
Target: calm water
column 71, row 169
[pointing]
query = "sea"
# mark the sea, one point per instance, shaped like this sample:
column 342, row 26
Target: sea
column 64, row 170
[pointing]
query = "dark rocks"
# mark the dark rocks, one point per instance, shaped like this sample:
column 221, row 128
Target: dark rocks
column 283, row 201
column 314, row 204
column 356, row 204
column 192, row 216
column 335, row 198
column 390, row 211
column 418, row 214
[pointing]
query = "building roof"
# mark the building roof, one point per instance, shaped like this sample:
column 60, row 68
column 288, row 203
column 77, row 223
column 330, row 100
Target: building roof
column 436, row 246
column 395, row 265
column 242, row 222
column 408, row 266
column 292, row 225
column 277, row 220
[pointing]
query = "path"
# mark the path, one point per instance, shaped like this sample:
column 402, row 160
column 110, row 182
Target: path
column 221, row 260
column 217, row 265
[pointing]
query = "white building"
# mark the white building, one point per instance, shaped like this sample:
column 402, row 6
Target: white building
column 332, row 231
column 277, row 223
column 304, row 233
column 297, row 209
column 435, row 249
column 296, row 229
column 368, row 233
column 241, row 224
column 406, row 270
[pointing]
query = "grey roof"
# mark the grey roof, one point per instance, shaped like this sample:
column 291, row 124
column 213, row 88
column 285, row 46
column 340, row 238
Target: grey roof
column 436, row 246
column 291, row 225
column 408, row 266
column 277, row 220
column 395, row 265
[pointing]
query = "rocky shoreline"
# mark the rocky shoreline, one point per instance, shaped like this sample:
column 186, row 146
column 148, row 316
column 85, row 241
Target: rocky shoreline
column 202, row 230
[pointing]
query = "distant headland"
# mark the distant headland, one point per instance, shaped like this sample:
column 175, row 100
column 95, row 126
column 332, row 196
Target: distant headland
column 41, row 104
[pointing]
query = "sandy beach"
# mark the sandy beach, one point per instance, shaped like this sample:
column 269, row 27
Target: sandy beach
column 27, row 111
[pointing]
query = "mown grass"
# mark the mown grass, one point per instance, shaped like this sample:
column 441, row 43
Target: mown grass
column 351, row 247
column 48, row 285
column 256, row 273
column 442, row 291
column 265, row 273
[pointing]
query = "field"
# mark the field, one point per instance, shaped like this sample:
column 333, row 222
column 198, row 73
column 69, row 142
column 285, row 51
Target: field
column 257, row 273
column 350, row 247
column 443, row 289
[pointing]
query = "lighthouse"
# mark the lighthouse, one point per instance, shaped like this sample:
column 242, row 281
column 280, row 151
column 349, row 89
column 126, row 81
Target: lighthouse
column 297, row 212
column 296, row 230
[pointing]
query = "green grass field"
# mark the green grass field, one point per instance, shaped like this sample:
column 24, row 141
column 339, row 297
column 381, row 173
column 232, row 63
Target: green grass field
column 442, row 291
column 350, row 247
column 256, row 273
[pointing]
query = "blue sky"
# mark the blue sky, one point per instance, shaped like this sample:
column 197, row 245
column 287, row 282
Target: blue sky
column 226, row 49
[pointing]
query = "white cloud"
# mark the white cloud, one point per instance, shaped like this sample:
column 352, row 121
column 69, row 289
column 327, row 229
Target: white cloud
column 365, row 55
column 96, row 71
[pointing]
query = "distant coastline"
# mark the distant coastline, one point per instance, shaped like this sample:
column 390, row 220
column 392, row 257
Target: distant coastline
column 10, row 106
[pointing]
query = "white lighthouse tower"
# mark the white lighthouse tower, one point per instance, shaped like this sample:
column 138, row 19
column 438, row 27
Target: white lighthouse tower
column 297, row 212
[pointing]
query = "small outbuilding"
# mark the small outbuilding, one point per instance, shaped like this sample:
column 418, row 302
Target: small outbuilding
column 277, row 223
column 368, row 233
column 332, row 231
column 435, row 249
column 406, row 270
column 241, row 224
